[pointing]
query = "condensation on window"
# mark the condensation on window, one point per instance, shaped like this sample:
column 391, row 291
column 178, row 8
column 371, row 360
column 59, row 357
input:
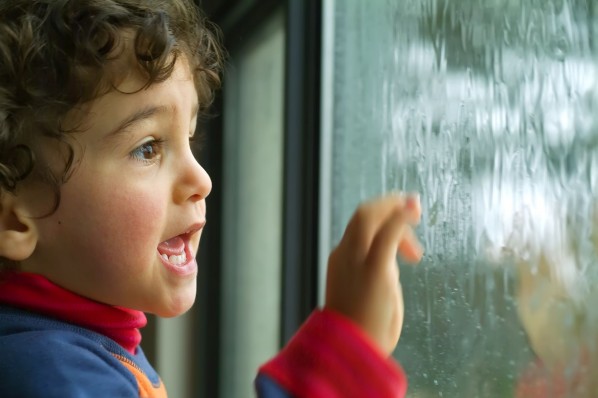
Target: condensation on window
column 488, row 109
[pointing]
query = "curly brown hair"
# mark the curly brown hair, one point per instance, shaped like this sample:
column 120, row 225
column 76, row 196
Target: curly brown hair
column 54, row 55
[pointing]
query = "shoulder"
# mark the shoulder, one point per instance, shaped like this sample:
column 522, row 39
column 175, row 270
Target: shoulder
column 60, row 363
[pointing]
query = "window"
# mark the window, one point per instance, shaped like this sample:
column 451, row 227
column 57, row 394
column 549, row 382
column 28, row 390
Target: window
column 486, row 109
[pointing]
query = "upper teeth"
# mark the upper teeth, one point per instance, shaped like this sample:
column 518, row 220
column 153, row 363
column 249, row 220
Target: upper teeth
column 176, row 259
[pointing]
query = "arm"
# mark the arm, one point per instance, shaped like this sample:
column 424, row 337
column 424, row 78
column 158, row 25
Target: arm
column 343, row 350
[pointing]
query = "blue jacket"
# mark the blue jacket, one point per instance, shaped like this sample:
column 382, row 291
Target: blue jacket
column 43, row 357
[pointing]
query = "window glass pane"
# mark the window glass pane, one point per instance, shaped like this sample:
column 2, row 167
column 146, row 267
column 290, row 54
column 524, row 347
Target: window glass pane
column 253, row 112
column 488, row 109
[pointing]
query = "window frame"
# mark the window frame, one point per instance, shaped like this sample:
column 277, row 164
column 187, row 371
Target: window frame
column 299, row 260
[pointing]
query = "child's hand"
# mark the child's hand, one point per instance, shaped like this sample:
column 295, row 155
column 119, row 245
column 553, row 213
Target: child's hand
column 363, row 275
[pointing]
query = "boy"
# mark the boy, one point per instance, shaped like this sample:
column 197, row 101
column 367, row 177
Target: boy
column 102, row 207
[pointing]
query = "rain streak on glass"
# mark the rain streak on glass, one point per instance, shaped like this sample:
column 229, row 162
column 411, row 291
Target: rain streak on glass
column 488, row 108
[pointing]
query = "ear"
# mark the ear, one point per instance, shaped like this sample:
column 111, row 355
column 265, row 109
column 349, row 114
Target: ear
column 18, row 232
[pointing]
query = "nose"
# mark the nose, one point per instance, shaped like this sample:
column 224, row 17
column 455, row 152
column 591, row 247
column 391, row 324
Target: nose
column 194, row 183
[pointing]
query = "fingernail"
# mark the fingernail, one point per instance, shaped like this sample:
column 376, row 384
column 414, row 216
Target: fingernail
column 412, row 200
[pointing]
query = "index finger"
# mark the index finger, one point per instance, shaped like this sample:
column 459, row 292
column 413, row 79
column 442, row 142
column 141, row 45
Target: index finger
column 394, row 237
column 367, row 221
column 371, row 217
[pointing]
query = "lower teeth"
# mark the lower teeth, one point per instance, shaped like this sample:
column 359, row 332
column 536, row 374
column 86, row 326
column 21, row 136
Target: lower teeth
column 176, row 260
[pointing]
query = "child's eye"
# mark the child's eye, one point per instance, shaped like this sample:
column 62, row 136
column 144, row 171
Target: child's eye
column 148, row 151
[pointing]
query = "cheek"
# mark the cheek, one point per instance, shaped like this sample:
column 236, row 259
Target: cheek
column 116, row 225
column 130, row 222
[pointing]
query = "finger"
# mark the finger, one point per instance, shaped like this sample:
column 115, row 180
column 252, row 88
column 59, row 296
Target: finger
column 413, row 207
column 383, row 250
column 410, row 249
column 367, row 221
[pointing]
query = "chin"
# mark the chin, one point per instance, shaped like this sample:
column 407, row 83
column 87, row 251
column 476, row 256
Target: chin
column 178, row 306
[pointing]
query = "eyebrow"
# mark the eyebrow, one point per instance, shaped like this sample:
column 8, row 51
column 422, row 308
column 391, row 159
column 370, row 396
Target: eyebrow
column 144, row 114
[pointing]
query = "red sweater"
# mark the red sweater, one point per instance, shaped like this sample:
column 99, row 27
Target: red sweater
column 328, row 357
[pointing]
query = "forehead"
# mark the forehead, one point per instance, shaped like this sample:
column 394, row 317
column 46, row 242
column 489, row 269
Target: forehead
column 129, row 92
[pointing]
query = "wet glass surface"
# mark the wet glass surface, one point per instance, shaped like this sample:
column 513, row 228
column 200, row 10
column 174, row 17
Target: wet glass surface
column 489, row 110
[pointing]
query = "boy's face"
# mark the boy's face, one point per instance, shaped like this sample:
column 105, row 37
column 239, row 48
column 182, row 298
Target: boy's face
column 130, row 217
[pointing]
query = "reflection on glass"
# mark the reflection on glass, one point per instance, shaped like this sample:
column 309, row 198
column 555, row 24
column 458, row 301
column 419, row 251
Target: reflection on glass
column 488, row 109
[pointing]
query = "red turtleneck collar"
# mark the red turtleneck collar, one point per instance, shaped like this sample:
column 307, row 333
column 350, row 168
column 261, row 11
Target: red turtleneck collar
column 36, row 293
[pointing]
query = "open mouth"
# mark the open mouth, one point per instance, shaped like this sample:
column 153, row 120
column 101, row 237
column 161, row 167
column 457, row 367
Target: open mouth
column 175, row 250
column 176, row 253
